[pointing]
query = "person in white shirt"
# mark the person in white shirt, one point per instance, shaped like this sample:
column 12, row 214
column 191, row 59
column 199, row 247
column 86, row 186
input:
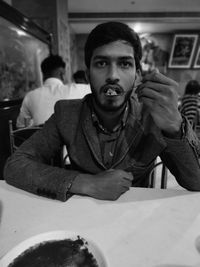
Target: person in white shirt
column 38, row 104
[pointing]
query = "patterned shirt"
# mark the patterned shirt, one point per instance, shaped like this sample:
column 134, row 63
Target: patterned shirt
column 108, row 139
column 189, row 107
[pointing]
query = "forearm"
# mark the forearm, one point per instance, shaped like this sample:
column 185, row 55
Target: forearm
column 181, row 158
column 82, row 184
column 32, row 175
column 105, row 185
column 29, row 168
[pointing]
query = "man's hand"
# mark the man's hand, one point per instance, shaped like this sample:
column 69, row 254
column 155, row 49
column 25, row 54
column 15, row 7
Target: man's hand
column 159, row 95
column 107, row 185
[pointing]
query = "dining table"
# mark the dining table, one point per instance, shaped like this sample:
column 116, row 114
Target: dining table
column 144, row 227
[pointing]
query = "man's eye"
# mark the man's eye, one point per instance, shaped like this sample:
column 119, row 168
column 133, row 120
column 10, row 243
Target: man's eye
column 100, row 64
column 126, row 64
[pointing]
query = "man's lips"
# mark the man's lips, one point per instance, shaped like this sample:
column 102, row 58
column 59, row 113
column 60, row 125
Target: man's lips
column 112, row 90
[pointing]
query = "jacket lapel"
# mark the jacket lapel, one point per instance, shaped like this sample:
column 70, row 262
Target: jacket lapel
column 85, row 146
column 92, row 139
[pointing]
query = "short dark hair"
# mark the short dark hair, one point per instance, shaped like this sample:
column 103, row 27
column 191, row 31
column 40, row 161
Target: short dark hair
column 192, row 87
column 51, row 63
column 80, row 75
column 109, row 32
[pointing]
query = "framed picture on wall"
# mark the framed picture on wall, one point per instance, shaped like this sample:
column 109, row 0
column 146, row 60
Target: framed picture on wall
column 197, row 59
column 183, row 48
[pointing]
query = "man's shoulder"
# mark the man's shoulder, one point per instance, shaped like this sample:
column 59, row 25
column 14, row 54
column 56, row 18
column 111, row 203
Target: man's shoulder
column 68, row 111
column 69, row 105
column 33, row 92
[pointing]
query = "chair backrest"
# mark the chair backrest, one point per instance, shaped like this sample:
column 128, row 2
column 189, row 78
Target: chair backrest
column 18, row 136
column 6, row 113
column 159, row 171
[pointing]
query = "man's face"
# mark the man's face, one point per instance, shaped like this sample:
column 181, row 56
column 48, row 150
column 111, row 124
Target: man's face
column 112, row 74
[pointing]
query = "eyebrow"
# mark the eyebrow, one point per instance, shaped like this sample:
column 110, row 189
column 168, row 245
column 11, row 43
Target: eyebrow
column 108, row 57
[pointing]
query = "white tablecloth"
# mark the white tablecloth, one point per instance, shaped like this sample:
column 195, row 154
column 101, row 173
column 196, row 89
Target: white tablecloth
column 143, row 228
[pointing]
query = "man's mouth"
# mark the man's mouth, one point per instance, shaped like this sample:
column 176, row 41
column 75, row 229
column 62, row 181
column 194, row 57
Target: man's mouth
column 112, row 91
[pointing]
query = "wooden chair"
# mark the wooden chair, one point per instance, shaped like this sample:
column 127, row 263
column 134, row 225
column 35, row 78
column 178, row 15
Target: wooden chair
column 159, row 166
column 18, row 136
column 6, row 113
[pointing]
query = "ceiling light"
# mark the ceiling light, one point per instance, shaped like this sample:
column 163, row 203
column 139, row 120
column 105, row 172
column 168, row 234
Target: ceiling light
column 137, row 27
column 18, row 31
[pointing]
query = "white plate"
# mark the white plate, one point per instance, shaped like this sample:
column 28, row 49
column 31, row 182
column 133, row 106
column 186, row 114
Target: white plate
column 55, row 235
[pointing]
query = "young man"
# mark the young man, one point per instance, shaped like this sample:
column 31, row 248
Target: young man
column 111, row 137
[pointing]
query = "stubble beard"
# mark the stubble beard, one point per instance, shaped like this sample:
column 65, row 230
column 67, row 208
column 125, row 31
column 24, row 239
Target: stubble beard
column 108, row 104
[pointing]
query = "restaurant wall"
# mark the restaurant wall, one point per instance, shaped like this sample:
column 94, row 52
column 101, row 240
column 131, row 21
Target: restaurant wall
column 78, row 51
column 162, row 46
column 181, row 75
column 52, row 16
column 42, row 12
column 21, row 52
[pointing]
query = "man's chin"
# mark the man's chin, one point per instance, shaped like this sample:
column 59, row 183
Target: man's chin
column 111, row 106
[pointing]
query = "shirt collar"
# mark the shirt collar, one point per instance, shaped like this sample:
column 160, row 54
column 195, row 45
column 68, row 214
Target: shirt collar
column 121, row 124
column 53, row 81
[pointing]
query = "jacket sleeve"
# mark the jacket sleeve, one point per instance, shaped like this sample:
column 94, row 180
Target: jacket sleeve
column 29, row 167
column 182, row 159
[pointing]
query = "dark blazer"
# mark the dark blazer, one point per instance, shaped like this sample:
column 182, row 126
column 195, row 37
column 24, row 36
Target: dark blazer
column 71, row 125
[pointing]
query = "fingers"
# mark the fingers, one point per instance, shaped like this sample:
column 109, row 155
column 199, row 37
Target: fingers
column 158, row 77
column 128, row 176
column 127, row 180
column 126, row 183
column 157, row 82
column 150, row 97
column 164, row 96
column 125, row 189
column 157, row 89
column 149, row 91
column 119, row 177
column 121, row 173
column 160, row 87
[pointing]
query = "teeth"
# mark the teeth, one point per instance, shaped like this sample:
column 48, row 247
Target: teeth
column 111, row 92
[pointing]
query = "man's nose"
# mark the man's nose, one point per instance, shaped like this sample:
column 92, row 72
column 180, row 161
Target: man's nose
column 113, row 74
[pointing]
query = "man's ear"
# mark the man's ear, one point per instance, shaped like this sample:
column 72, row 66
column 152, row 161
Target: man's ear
column 87, row 75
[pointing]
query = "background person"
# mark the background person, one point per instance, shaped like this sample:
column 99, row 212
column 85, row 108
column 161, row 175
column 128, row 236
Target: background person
column 79, row 86
column 38, row 104
column 80, row 77
column 112, row 138
column 190, row 102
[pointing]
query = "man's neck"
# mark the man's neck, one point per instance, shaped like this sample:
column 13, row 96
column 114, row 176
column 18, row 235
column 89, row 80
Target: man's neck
column 109, row 119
